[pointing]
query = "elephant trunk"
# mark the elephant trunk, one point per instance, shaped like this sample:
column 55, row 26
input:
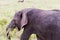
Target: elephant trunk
column 10, row 27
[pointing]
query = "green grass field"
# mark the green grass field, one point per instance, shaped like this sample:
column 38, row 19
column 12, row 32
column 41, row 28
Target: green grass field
column 9, row 7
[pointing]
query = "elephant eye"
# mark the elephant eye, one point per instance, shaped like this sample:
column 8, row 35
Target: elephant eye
column 20, row 15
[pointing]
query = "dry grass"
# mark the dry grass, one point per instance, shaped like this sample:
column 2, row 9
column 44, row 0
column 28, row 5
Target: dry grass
column 9, row 7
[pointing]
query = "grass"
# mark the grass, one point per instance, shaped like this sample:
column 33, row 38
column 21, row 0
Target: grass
column 9, row 7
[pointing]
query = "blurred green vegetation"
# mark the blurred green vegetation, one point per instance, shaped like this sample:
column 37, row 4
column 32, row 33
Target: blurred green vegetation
column 9, row 7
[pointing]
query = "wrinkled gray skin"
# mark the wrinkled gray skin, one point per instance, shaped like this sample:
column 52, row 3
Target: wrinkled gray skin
column 44, row 23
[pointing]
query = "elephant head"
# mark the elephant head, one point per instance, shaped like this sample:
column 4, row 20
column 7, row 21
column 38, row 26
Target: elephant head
column 19, row 20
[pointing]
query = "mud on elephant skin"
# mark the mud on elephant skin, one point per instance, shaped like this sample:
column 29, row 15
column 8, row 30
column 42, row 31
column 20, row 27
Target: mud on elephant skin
column 44, row 23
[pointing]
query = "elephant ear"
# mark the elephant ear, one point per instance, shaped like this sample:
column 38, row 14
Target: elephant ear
column 24, row 19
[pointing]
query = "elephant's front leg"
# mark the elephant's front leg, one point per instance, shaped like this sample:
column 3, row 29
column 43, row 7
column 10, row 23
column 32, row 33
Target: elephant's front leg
column 26, row 34
column 40, row 36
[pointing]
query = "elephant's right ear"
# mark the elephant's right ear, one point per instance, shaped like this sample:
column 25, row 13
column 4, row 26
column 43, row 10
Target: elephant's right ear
column 24, row 19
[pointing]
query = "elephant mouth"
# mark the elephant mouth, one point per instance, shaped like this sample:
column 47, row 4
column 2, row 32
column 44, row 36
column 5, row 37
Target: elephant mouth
column 18, row 26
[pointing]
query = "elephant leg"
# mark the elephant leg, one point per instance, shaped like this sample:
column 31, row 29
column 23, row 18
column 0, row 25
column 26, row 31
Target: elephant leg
column 26, row 34
column 38, row 37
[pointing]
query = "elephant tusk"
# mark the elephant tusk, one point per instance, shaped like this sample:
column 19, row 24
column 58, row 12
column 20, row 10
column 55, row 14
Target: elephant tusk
column 8, row 34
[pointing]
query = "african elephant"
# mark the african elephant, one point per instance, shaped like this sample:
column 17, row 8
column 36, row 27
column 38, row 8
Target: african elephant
column 44, row 23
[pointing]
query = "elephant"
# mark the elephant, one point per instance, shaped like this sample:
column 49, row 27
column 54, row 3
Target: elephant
column 44, row 23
